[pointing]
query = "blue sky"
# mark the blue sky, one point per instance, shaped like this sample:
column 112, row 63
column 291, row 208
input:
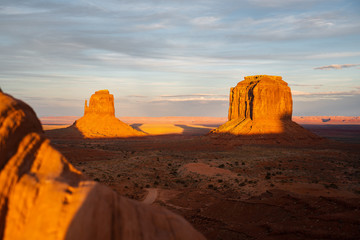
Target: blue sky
column 179, row 58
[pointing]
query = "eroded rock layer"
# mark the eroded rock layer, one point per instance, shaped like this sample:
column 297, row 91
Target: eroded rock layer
column 99, row 119
column 42, row 196
column 101, row 102
column 261, row 110
column 261, row 97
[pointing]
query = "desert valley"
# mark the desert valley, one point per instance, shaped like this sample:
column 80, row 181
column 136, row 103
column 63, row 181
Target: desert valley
column 259, row 175
column 228, row 190
column 180, row 120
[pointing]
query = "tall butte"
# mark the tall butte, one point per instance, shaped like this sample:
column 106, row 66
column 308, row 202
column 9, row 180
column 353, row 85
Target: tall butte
column 260, row 111
column 42, row 196
column 99, row 119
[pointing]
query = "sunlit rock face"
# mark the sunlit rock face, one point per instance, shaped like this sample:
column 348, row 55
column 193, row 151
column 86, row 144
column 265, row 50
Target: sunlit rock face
column 42, row 196
column 101, row 102
column 261, row 97
column 261, row 108
column 99, row 119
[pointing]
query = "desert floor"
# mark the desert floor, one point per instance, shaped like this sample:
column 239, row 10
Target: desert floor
column 230, row 191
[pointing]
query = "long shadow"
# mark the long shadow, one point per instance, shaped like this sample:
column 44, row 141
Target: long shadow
column 72, row 132
column 341, row 133
column 137, row 126
column 291, row 134
column 193, row 131
column 105, row 215
column 68, row 132
column 277, row 131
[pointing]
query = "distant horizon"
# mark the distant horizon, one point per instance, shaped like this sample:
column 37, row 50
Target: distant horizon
column 192, row 116
column 222, row 107
column 167, row 58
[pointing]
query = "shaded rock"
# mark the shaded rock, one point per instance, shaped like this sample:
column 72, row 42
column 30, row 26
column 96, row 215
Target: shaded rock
column 260, row 111
column 99, row 119
column 42, row 196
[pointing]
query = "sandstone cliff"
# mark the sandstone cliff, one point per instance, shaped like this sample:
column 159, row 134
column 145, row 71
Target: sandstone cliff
column 102, row 103
column 42, row 196
column 261, row 97
column 261, row 109
column 99, row 119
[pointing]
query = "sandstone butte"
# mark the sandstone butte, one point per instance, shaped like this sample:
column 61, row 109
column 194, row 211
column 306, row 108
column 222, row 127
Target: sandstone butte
column 42, row 196
column 99, row 119
column 261, row 110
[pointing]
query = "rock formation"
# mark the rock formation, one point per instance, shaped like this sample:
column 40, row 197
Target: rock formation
column 261, row 110
column 42, row 196
column 99, row 119
column 261, row 97
column 102, row 103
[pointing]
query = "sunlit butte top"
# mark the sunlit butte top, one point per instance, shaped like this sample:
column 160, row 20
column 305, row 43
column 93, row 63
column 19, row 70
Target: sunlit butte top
column 261, row 97
column 102, row 102
column 267, row 78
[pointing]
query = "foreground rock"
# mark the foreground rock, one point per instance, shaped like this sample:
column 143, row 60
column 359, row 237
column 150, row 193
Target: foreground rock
column 260, row 111
column 99, row 119
column 42, row 196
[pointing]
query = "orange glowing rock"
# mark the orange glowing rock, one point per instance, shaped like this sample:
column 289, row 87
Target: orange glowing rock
column 261, row 108
column 261, row 97
column 99, row 119
column 42, row 196
column 102, row 103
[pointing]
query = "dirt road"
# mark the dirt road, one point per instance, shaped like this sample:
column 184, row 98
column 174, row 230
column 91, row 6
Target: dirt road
column 151, row 196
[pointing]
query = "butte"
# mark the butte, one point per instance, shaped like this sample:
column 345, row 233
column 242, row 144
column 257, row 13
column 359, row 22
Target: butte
column 42, row 196
column 260, row 111
column 99, row 119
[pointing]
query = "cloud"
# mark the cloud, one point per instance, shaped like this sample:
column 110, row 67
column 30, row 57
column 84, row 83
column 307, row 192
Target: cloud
column 205, row 21
column 154, row 26
column 12, row 10
column 155, row 47
column 137, row 96
column 192, row 97
column 306, row 85
column 329, row 94
column 56, row 99
column 348, row 106
column 333, row 55
column 282, row 3
column 336, row 66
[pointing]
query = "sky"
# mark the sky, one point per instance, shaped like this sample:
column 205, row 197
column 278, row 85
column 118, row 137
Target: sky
column 179, row 57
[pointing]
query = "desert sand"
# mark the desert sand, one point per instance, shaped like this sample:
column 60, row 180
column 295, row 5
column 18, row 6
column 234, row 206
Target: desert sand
column 42, row 196
column 225, row 188
column 230, row 189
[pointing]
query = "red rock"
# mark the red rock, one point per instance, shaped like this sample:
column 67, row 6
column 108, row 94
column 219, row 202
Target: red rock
column 260, row 110
column 42, row 196
column 99, row 119
column 261, row 97
column 102, row 103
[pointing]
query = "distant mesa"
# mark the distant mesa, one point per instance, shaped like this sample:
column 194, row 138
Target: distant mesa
column 260, row 111
column 99, row 119
column 42, row 196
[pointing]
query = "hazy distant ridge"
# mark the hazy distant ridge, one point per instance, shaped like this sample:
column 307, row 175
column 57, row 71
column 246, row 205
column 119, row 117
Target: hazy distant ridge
column 208, row 120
